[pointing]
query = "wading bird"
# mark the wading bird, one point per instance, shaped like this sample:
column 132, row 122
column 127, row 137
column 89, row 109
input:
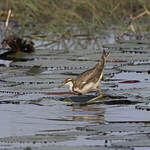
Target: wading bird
column 89, row 80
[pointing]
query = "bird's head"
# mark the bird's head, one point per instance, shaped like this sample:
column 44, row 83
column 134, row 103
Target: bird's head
column 68, row 81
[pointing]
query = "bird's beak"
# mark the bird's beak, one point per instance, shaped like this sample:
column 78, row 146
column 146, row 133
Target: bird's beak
column 61, row 85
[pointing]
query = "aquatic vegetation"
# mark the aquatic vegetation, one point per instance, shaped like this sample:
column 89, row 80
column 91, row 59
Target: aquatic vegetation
column 62, row 16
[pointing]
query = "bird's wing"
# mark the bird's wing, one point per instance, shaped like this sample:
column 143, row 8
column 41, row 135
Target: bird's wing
column 85, row 77
column 92, row 75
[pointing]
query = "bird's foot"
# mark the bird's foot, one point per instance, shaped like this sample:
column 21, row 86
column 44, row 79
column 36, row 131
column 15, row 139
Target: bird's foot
column 96, row 98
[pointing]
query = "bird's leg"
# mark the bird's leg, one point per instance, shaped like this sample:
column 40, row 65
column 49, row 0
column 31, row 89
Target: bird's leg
column 97, row 97
column 99, row 91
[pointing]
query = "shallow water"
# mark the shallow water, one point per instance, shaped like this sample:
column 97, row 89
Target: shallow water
column 126, row 113
column 31, row 116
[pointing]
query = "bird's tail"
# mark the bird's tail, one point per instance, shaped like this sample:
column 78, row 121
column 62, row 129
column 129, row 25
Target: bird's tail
column 105, row 55
column 103, row 59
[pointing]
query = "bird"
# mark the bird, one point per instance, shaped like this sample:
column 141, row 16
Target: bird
column 88, row 80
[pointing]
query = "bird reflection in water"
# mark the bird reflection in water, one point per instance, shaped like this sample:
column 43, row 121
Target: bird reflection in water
column 87, row 113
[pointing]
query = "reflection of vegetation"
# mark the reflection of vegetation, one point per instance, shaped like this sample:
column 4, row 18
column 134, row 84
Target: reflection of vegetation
column 57, row 15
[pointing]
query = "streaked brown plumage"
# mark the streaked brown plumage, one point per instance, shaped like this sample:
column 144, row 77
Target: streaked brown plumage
column 89, row 80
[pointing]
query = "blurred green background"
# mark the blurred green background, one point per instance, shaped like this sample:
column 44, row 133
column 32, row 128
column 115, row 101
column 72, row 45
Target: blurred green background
column 60, row 15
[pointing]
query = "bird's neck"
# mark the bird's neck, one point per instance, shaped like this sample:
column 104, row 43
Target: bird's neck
column 70, row 85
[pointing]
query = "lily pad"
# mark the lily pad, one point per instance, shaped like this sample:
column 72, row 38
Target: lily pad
column 136, row 68
column 126, row 46
column 117, row 127
column 41, row 138
column 133, row 143
column 147, row 42
column 58, row 64
column 39, row 79
column 80, row 99
column 65, row 147
column 119, row 137
column 143, row 107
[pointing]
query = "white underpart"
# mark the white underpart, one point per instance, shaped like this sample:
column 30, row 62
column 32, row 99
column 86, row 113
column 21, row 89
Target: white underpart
column 70, row 85
column 87, row 88
column 99, row 80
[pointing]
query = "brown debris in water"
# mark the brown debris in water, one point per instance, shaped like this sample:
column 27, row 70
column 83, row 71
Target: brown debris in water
column 14, row 43
column 18, row 44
